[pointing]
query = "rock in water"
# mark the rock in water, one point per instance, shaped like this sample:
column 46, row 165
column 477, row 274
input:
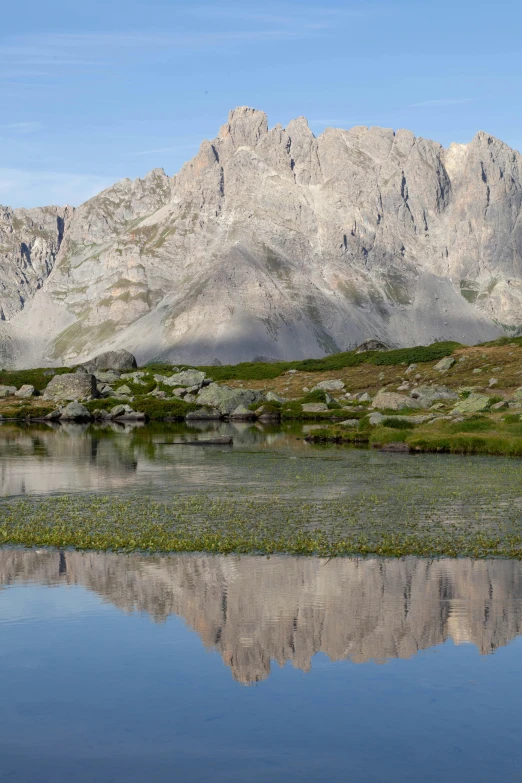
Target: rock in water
column 203, row 414
column 242, row 414
column 71, row 386
column 75, row 412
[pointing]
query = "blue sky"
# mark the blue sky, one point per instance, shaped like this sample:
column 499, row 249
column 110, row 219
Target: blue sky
column 93, row 92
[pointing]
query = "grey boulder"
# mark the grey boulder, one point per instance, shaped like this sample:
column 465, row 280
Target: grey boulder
column 427, row 395
column 7, row 391
column 226, row 399
column 107, row 376
column 54, row 415
column 111, row 360
column 445, row 364
column 203, row 414
column 334, row 385
column 271, row 396
column 25, row 392
column 242, row 413
column 394, row 402
column 314, row 407
column 71, row 386
column 75, row 412
column 186, row 378
column 120, row 410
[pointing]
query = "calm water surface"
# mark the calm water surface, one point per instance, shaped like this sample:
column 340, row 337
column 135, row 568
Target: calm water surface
column 204, row 668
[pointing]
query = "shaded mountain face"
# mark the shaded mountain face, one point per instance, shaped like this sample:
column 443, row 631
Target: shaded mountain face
column 272, row 243
column 255, row 611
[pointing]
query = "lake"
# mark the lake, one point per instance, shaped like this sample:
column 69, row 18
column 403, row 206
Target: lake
column 268, row 492
column 199, row 667
column 211, row 668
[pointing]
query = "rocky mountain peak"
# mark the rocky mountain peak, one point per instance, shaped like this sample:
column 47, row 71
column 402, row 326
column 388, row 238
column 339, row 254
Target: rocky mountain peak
column 274, row 243
column 245, row 127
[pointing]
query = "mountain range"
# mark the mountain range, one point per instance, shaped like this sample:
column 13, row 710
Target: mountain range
column 272, row 244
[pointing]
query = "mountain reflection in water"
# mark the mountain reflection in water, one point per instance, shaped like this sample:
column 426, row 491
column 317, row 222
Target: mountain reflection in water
column 255, row 610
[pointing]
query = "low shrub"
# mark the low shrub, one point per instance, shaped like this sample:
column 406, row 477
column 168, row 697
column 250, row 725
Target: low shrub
column 38, row 378
column 419, row 354
column 158, row 368
column 502, row 341
column 336, row 434
column 467, row 444
column 260, row 371
column 398, row 424
column 473, row 424
column 102, row 404
column 247, row 371
column 139, row 389
column 27, row 411
column 314, row 396
column 156, row 410
column 293, row 411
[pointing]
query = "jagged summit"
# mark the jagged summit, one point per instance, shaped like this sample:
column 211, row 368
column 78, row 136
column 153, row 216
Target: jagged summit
column 273, row 243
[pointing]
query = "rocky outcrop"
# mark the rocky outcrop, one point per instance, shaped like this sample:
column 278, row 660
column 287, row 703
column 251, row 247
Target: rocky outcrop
column 272, row 243
column 29, row 243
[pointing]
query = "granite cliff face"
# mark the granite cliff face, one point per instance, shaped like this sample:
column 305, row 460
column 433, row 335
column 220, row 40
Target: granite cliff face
column 256, row 611
column 273, row 243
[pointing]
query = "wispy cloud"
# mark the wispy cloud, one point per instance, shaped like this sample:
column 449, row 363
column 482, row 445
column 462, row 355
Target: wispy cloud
column 178, row 148
column 199, row 27
column 20, row 188
column 312, row 18
column 22, row 127
column 443, row 102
